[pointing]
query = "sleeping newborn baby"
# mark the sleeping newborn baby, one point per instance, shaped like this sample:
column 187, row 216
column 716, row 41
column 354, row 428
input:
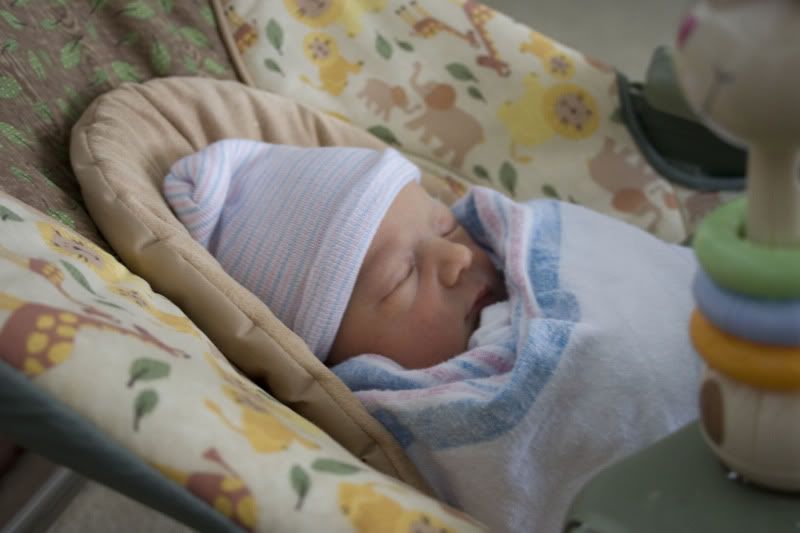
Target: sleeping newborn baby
column 512, row 349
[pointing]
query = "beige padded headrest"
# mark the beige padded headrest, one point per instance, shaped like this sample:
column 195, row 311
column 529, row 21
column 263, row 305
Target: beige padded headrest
column 121, row 149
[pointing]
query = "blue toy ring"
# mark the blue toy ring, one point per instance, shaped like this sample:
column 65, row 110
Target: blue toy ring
column 775, row 322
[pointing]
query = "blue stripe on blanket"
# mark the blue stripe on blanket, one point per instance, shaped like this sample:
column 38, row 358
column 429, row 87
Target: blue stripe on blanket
column 494, row 406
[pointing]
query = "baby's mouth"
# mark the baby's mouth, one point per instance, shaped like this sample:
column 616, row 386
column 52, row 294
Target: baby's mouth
column 482, row 299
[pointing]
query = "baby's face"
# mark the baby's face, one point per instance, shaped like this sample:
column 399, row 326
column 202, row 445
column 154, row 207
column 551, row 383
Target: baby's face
column 421, row 287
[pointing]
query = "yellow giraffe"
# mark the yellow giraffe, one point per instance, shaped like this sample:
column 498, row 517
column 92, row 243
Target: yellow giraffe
column 264, row 431
column 425, row 25
column 370, row 511
column 556, row 61
column 244, row 34
column 226, row 492
column 142, row 299
column 321, row 49
column 244, row 391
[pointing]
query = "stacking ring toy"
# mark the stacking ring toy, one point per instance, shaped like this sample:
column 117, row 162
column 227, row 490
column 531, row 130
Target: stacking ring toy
column 744, row 266
column 758, row 365
column 775, row 322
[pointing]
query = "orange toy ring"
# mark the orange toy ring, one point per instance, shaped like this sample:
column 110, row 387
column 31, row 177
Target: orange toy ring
column 759, row 365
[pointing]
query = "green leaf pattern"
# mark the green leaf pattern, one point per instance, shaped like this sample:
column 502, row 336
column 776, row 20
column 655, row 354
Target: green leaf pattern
column 301, row 484
column 138, row 9
column 9, row 87
column 461, row 72
column 275, row 35
column 508, row 177
column 146, row 369
column 21, row 174
column 71, row 54
column 160, row 58
column 383, row 47
column 13, row 134
column 36, row 65
column 333, row 466
column 145, row 403
column 384, row 134
column 58, row 55
column 273, row 66
column 11, row 19
column 194, row 36
column 125, row 71
column 7, row 214
column 77, row 275
column 212, row 66
column 10, row 45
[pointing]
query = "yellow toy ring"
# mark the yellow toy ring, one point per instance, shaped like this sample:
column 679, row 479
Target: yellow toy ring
column 759, row 365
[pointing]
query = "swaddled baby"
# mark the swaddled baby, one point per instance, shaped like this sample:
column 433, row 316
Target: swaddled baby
column 512, row 349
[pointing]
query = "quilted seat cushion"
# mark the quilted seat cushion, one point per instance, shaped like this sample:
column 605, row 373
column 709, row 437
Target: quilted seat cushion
column 121, row 150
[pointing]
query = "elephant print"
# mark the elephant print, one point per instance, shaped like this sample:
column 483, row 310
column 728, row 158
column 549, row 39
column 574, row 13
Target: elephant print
column 226, row 492
column 321, row 49
column 370, row 511
column 627, row 181
column 457, row 131
column 383, row 97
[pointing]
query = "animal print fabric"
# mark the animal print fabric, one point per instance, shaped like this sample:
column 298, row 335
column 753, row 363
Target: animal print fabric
column 469, row 94
column 79, row 325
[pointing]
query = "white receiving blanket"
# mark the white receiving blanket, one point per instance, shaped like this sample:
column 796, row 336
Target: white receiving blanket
column 587, row 361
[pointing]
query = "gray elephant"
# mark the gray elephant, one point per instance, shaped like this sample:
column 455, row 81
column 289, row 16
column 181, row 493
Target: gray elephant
column 456, row 130
column 381, row 98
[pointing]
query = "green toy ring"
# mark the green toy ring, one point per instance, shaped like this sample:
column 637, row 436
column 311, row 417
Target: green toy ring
column 743, row 266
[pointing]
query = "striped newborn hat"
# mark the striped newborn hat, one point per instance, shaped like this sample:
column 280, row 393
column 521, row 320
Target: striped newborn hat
column 290, row 224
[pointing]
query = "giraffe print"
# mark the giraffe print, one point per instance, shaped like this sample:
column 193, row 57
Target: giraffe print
column 226, row 492
column 425, row 25
column 37, row 337
column 142, row 299
column 479, row 15
column 55, row 276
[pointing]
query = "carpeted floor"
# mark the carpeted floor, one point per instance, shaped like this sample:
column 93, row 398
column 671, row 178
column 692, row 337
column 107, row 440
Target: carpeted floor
column 620, row 32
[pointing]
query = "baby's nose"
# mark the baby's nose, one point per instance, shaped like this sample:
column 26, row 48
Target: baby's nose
column 454, row 258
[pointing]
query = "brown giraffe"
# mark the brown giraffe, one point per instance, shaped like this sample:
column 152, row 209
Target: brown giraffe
column 226, row 492
column 38, row 336
column 479, row 15
column 426, row 25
